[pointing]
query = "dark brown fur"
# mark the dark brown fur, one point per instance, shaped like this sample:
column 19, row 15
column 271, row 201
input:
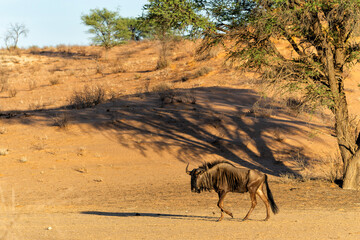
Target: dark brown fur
column 224, row 177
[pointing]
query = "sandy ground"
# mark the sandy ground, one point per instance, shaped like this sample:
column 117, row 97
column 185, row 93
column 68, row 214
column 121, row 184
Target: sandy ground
column 155, row 202
column 312, row 224
column 117, row 170
column 175, row 213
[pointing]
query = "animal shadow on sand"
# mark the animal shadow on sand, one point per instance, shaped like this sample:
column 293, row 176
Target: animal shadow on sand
column 158, row 215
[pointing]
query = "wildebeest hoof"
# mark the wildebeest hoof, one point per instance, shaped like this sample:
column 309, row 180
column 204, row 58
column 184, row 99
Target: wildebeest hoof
column 231, row 215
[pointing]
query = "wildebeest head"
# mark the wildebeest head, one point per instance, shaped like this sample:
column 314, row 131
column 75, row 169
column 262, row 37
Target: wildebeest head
column 195, row 174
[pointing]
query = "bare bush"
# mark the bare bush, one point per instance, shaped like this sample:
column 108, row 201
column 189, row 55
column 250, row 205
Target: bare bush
column 168, row 95
column 13, row 34
column 90, row 96
column 61, row 121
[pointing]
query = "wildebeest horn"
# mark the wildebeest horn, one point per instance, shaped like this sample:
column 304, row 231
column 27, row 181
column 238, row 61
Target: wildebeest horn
column 187, row 171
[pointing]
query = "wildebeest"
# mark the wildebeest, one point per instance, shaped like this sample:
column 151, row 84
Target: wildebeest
column 224, row 177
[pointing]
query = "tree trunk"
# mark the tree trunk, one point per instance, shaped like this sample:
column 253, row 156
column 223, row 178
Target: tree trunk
column 350, row 152
column 352, row 173
column 344, row 132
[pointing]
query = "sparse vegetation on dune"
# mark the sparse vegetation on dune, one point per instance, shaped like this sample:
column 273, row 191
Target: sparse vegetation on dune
column 77, row 67
column 93, row 137
column 109, row 120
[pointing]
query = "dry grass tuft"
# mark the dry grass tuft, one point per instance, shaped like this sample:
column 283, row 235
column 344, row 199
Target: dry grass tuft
column 4, row 79
column 162, row 63
column 202, row 71
column 294, row 104
column 4, row 151
column 23, row 159
column 12, row 92
column 32, row 84
column 4, row 84
column 208, row 54
column 3, row 130
column 278, row 135
column 333, row 168
column 259, row 111
column 290, row 177
column 54, row 81
column 117, row 67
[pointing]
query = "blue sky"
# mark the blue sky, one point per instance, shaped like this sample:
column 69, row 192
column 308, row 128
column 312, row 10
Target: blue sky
column 54, row 22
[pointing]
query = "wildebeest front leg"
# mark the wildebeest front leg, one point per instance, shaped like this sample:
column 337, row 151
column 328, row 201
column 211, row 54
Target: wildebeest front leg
column 253, row 204
column 220, row 204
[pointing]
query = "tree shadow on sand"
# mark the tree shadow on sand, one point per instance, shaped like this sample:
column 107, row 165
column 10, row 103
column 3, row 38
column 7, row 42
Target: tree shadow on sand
column 219, row 123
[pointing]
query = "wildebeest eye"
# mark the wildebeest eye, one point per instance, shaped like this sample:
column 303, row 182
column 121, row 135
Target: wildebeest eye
column 199, row 172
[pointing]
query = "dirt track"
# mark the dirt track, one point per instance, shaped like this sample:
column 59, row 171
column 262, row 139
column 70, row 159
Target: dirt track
column 310, row 210
column 311, row 224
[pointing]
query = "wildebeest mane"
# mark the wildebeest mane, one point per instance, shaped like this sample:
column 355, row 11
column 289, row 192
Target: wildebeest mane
column 222, row 173
column 209, row 165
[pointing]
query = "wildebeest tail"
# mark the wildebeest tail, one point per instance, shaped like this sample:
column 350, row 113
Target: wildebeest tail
column 274, row 208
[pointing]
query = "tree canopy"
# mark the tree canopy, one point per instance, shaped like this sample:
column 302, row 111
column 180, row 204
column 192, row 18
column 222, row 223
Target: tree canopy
column 108, row 28
column 321, row 35
column 166, row 17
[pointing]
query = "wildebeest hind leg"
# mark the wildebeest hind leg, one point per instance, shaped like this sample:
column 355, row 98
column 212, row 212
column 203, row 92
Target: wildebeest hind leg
column 220, row 204
column 253, row 204
column 265, row 200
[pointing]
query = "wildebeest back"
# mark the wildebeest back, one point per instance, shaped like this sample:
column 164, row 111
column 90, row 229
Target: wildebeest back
column 230, row 178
